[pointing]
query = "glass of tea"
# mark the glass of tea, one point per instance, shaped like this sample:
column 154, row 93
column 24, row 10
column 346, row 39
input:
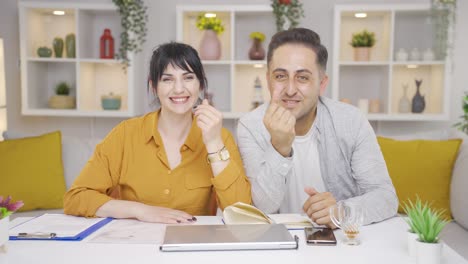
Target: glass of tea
column 349, row 217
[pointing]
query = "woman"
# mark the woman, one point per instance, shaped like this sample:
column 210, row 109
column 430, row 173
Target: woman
column 167, row 164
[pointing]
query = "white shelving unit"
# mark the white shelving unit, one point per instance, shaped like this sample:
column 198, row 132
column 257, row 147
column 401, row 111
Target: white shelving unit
column 231, row 79
column 89, row 76
column 405, row 26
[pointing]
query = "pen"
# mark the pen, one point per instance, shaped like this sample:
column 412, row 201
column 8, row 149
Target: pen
column 36, row 235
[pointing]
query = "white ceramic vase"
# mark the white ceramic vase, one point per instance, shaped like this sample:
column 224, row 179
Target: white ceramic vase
column 4, row 225
column 428, row 253
column 412, row 237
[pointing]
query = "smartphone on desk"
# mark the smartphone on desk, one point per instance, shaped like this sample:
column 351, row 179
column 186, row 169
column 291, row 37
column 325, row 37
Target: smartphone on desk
column 320, row 236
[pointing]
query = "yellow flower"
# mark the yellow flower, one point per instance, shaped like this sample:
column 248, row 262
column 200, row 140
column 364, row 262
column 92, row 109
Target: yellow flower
column 257, row 35
column 213, row 23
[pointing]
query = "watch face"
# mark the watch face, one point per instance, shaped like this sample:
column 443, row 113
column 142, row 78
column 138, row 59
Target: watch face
column 224, row 154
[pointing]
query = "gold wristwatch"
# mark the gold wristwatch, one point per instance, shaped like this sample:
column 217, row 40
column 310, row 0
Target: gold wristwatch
column 220, row 155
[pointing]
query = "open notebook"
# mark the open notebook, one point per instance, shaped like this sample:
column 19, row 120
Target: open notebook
column 241, row 213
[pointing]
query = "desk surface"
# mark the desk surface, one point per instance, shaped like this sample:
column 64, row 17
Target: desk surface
column 384, row 242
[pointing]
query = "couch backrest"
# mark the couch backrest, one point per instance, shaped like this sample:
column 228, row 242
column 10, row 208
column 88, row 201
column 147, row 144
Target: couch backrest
column 75, row 153
column 459, row 184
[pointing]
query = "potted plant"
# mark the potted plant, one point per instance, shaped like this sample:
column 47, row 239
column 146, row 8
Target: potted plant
column 62, row 98
column 463, row 125
column 133, row 18
column 210, row 45
column 6, row 209
column 257, row 52
column 287, row 13
column 427, row 223
column 362, row 42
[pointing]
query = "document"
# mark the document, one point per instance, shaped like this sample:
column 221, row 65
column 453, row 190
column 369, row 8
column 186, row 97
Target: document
column 57, row 227
column 241, row 213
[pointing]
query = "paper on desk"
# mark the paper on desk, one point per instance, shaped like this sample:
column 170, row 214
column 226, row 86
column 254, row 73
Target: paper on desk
column 60, row 224
column 128, row 231
column 292, row 221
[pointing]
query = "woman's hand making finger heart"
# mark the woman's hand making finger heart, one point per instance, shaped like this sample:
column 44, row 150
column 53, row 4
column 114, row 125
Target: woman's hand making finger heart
column 210, row 121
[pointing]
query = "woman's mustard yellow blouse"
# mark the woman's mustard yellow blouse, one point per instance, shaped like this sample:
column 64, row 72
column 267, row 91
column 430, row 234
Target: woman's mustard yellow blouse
column 132, row 158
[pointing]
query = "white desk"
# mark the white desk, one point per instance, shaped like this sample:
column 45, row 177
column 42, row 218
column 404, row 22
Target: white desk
column 381, row 243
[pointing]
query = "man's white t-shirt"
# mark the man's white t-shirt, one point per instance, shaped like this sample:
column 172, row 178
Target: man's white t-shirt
column 305, row 173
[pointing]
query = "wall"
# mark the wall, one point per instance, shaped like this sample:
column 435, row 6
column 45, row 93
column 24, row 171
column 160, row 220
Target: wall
column 162, row 27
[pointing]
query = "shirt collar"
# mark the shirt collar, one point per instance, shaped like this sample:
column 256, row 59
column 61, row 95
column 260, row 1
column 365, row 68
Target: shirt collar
column 193, row 140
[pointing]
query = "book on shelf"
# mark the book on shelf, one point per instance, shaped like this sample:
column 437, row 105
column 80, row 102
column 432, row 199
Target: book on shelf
column 241, row 213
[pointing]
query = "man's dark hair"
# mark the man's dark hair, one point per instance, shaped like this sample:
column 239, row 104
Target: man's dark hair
column 301, row 36
column 178, row 55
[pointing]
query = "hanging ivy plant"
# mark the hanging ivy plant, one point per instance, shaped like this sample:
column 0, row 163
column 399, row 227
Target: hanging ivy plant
column 443, row 15
column 133, row 21
column 287, row 13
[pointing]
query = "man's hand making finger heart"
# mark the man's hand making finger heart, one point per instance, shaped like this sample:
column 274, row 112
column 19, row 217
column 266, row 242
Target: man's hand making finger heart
column 280, row 123
column 317, row 206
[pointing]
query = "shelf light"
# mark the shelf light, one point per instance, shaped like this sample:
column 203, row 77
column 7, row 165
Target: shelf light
column 412, row 66
column 360, row 15
column 58, row 12
column 258, row 65
column 210, row 15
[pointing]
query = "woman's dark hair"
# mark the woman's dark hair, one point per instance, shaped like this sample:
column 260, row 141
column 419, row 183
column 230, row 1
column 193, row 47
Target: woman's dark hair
column 178, row 55
column 302, row 36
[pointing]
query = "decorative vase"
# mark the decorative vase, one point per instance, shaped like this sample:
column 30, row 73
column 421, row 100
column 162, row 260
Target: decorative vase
column 210, row 46
column 428, row 253
column 44, row 52
column 404, row 105
column 415, row 55
column 362, row 54
column 62, row 102
column 418, row 103
column 58, row 47
column 111, row 102
column 363, row 105
column 4, row 226
column 106, row 48
column 256, row 52
column 70, row 45
column 374, row 106
column 428, row 55
column 401, row 55
column 412, row 237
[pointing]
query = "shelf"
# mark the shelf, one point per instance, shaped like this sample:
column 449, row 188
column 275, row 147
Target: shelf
column 91, row 23
column 407, row 117
column 106, row 61
column 193, row 36
column 88, row 76
column 32, row 59
column 378, row 22
column 76, row 113
column 231, row 79
column 42, row 27
column 216, row 62
column 382, row 78
column 364, row 63
column 251, row 62
column 419, row 63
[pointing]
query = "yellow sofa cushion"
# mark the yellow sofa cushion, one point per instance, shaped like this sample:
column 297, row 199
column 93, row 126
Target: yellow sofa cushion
column 31, row 170
column 421, row 168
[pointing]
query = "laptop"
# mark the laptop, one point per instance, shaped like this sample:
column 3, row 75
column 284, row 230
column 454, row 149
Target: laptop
column 228, row 237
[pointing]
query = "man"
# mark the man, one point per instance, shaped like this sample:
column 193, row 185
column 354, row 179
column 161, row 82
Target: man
column 304, row 152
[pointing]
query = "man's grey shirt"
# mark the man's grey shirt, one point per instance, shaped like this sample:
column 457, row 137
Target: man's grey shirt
column 351, row 162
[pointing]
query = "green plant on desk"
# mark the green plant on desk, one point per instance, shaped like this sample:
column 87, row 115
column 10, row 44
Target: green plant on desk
column 423, row 220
